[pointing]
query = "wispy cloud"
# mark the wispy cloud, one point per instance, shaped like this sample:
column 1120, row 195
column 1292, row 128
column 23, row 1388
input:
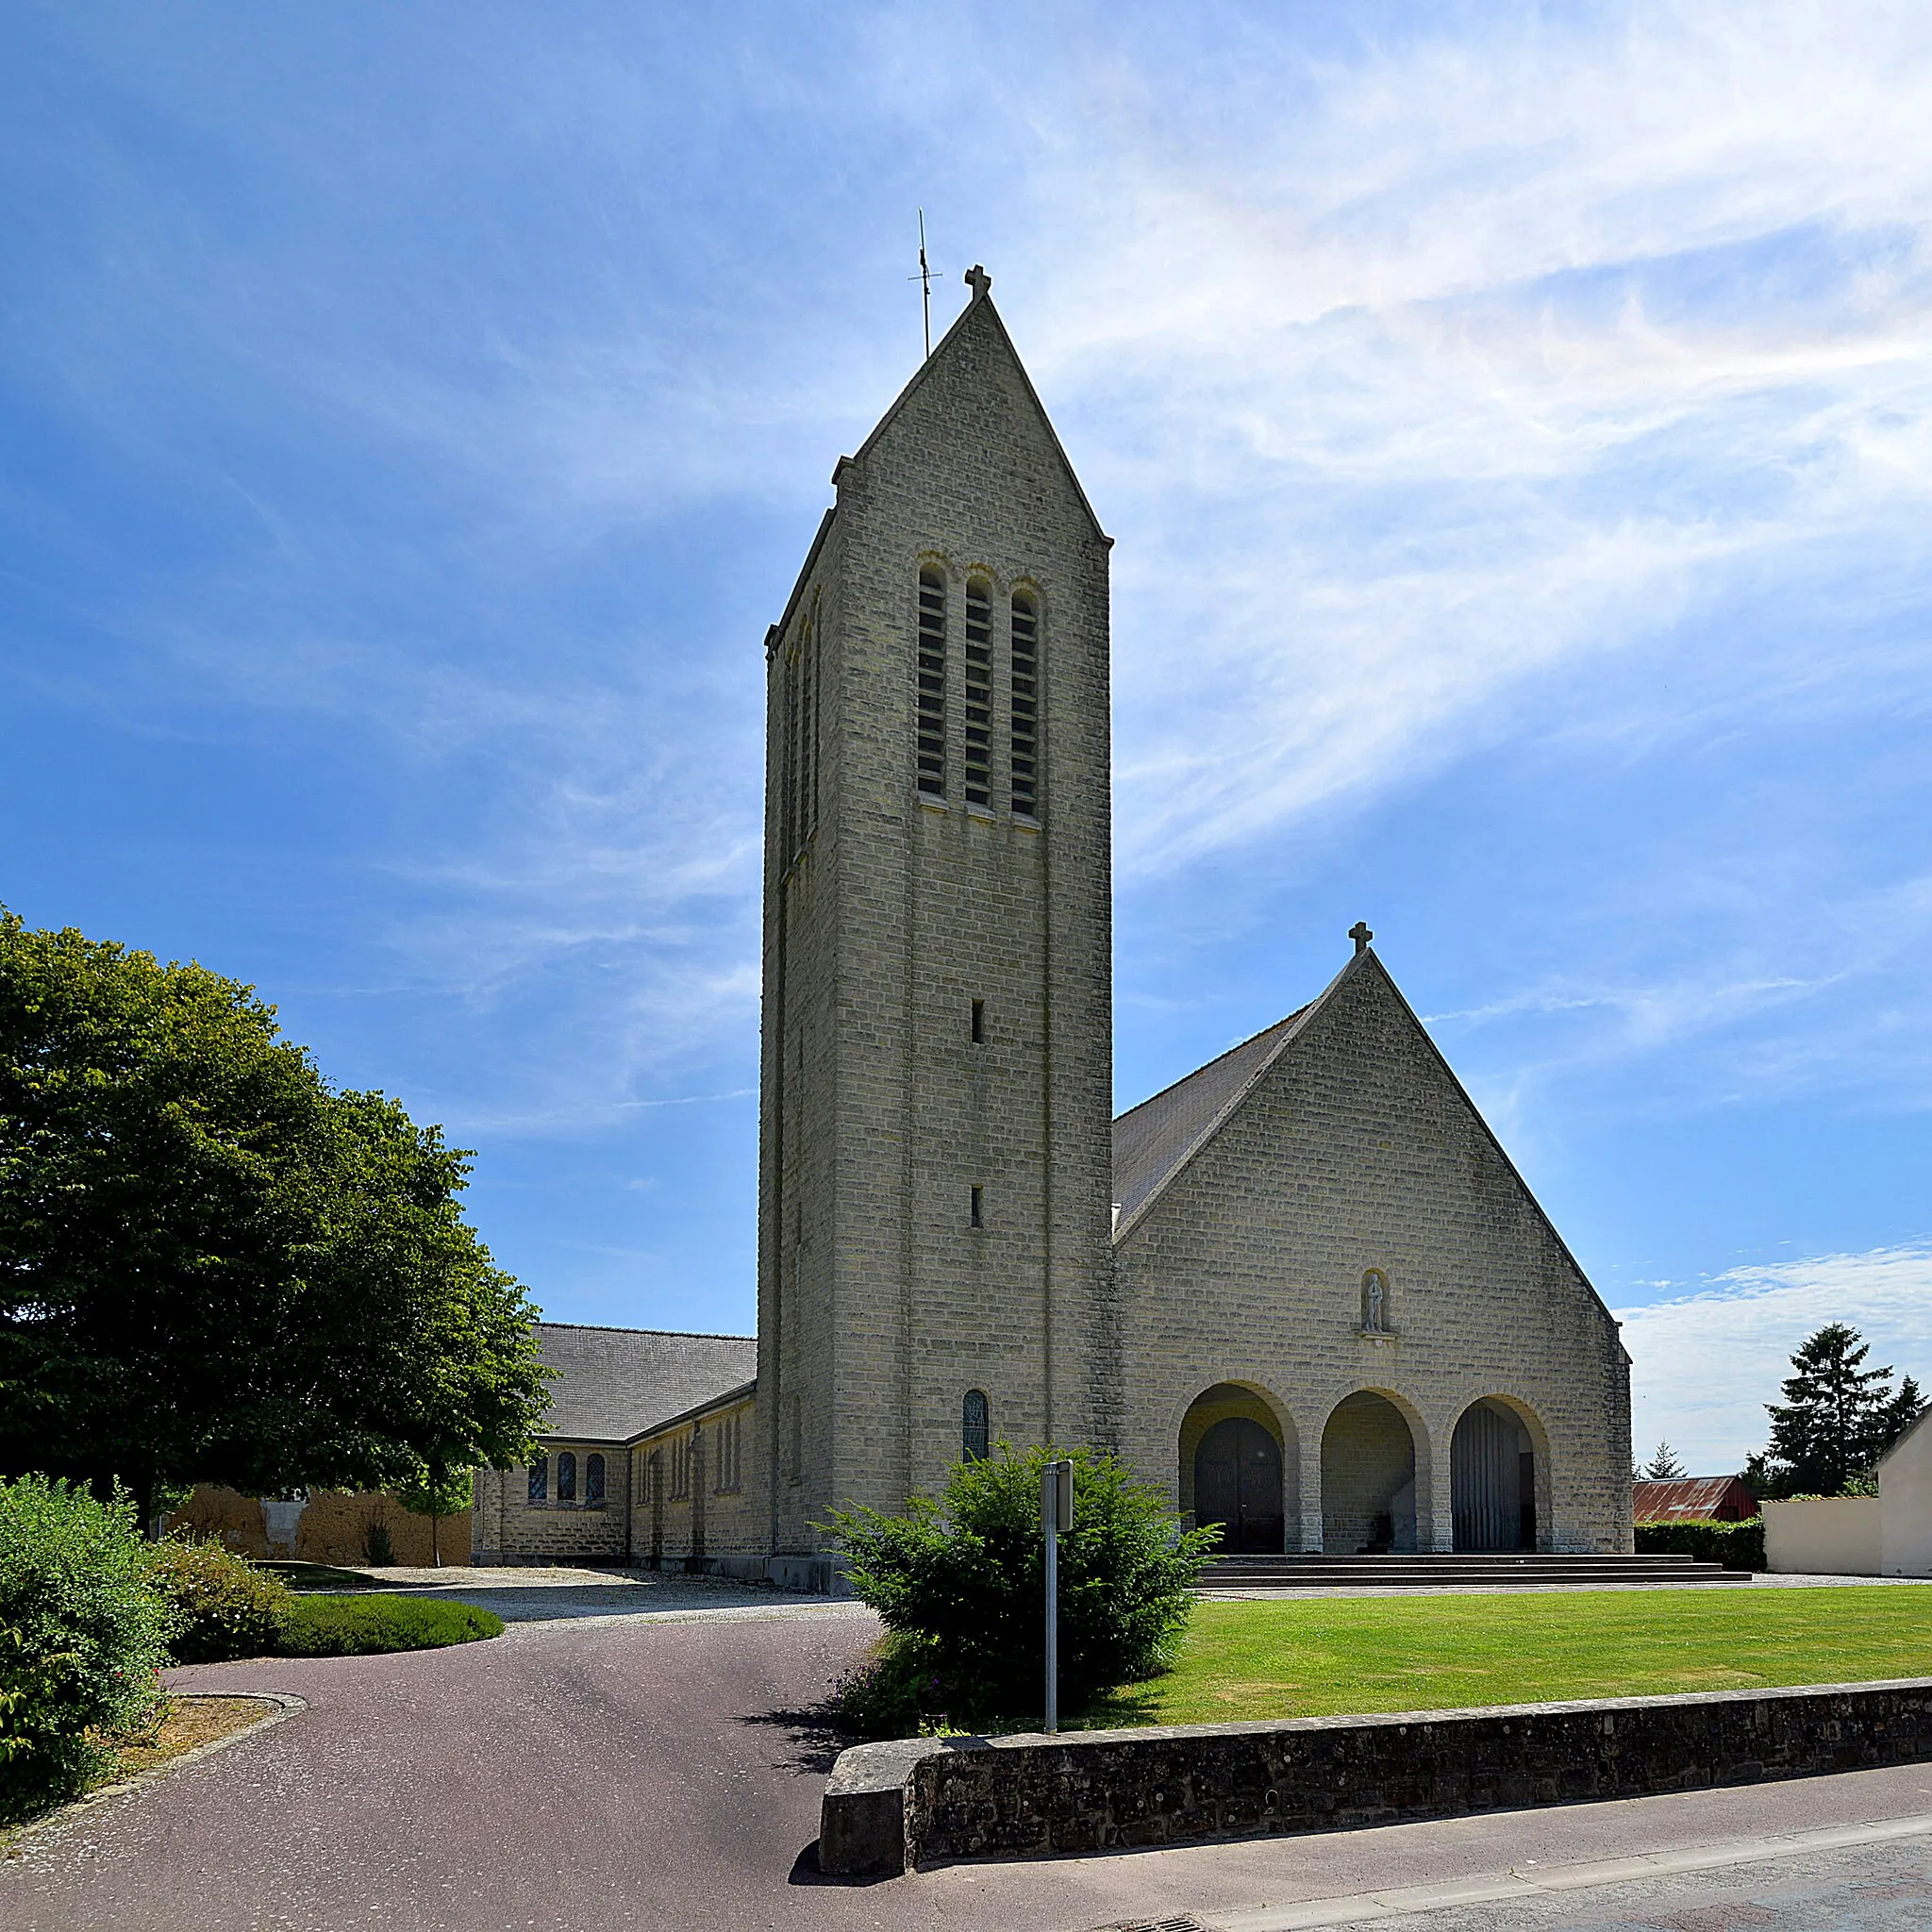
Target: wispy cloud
column 1704, row 1364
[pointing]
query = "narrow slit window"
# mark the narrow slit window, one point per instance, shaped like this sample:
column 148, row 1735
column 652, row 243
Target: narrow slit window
column 978, row 1208
column 979, row 1022
column 932, row 684
column 1025, row 722
column 974, row 1427
column 979, row 694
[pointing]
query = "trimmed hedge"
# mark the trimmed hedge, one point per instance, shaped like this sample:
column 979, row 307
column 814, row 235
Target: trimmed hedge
column 1736, row 1545
column 369, row 1626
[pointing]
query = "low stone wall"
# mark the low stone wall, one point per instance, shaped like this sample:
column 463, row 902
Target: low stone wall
column 894, row 1807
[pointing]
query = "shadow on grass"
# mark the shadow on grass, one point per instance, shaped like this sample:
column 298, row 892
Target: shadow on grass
column 318, row 1577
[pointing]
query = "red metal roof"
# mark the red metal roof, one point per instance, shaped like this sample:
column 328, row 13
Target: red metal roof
column 1695, row 1499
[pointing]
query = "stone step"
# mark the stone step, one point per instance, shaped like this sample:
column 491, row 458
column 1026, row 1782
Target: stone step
column 1317, row 1572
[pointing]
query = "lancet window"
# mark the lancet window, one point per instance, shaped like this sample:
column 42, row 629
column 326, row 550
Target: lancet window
column 1026, row 721
column 974, row 1427
column 566, row 1477
column 932, row 684
column 979, row 786
column 593, row 1479
column 800, row 795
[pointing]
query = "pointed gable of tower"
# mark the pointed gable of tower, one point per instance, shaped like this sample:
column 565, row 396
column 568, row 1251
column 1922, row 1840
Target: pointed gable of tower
column 973, row 390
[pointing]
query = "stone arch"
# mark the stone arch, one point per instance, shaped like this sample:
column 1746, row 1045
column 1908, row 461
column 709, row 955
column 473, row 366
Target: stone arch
column 1499, row 1476
column 1376, row 1475
column 1225, row 1406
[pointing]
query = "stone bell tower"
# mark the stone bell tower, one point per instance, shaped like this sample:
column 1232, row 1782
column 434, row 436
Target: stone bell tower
column 936, row 1086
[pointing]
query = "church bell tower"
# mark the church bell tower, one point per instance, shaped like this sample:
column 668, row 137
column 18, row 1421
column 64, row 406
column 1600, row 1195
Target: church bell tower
column 937, row 1070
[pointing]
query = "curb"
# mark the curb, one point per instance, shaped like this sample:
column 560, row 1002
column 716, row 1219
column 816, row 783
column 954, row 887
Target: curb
column 1521, row 1883
column 283, row 1703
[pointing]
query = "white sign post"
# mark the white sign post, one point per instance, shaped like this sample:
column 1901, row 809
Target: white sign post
column 1055, row 1514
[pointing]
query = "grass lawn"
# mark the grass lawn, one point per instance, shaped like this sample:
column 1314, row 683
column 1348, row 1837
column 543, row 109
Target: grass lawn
column 318, row 1577
column 1314, row 1657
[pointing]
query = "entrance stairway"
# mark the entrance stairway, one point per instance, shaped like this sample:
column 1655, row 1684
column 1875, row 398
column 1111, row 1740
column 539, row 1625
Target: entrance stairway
column 1250, row 1573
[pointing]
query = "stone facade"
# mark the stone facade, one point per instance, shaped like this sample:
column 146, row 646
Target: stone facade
column 933, row 1206
column 1305, row 1278
column 1350, row 1147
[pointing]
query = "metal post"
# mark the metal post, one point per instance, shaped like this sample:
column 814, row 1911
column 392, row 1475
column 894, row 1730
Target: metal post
column 1055, row 1514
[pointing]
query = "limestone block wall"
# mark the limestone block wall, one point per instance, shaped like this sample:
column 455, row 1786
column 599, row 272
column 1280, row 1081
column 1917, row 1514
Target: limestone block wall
column 1356, row 1150
column 508, row 1528
column 881, row 1302
column 698, row 1497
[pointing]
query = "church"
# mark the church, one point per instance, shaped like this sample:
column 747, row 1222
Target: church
column 1303, row 1291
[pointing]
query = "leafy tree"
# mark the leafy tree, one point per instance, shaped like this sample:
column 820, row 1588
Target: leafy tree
column 1663, row 1466
column 960, row 1584
column 213, row 1265
column 1838, row 1417
column 437, row 1494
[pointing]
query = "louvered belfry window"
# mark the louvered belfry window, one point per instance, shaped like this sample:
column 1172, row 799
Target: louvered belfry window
column 932, row 684
column 979, row 695
column 1025, row 706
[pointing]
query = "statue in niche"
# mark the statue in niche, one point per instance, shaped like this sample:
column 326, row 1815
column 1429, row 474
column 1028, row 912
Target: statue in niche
column 1374, row 1302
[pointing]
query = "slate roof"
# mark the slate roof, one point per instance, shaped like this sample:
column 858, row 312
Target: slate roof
column 1695, row 1499
column 611, row 1383
column 1155, row 1140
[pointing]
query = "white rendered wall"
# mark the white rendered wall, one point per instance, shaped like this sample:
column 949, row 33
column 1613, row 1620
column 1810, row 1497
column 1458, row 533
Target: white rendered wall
column 1905, row 1507
column 1830, row 1536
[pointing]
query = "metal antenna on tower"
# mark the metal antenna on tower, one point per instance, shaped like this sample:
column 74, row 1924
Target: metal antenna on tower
column 925, row 280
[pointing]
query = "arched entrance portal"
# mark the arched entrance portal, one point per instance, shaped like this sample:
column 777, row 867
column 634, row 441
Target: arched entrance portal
column 1237, row 1462
column 1493, row 1479
column 1367, row 1477
column 1238, row 1484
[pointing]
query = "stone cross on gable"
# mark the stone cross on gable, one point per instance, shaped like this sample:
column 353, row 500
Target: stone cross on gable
column 979, row 281
column 1361, row 934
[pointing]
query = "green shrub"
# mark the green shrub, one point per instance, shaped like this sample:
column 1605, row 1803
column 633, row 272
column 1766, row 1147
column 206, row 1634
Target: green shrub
column 379, row 1551
column 1737, row 1545
column 224, row 1605
column 961, row 1587
column 367, row 1625
column 82, row 1636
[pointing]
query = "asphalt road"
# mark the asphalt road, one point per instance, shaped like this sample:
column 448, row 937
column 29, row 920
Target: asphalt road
column 643, row 1771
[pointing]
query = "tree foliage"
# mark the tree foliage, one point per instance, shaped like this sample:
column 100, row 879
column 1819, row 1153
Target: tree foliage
column 1664, row 1466
column 1838, row 1417
column 437, row 1494
column 960, row 1582
column 213, row 1265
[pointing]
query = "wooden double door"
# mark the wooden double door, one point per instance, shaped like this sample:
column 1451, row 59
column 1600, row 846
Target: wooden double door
column 1237, row 1485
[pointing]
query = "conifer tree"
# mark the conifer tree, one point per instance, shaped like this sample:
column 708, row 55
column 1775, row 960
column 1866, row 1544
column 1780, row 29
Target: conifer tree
column 1663, row 1466
column 1836, row 1419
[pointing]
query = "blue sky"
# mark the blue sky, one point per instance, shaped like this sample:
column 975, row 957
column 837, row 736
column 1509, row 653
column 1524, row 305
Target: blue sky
column 1516, row 425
